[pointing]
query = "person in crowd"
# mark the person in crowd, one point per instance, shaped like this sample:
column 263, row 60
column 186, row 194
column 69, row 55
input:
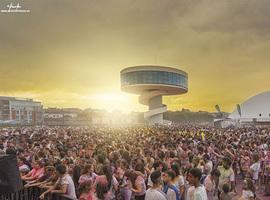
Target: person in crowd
column 23, row 167
column 169, row 188
column 36, row 173
column 156, row 149
column 245, row 163
column 149, row 161
column 157, row 166
column 155, row 192
column 210, row 183
column 124, row 192
column 225, row 194
column 87, row 174
column 179, row 180
column 48, row 175
column 102, row 188
column 64, row 184
column 248, row 192
column 76, row 171
column 197, row 190
column 136, row 184
column 226, row 174
column 112, row 183
column 86, row 191
column 255, row 168
column 208, row 167
column 267, row 174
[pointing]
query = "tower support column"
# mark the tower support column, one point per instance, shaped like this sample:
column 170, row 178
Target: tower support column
column 155, row 103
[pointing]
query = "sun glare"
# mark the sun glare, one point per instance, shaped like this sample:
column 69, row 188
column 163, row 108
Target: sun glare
column 109, row 97
column 113, row 101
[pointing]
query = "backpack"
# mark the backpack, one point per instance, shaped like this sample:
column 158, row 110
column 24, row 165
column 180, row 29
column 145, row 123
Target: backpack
column 203, row 178
column 166, row 187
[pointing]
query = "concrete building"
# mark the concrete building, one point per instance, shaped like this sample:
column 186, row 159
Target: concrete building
column 151, row 83
column 57, row 113
column 20, row 111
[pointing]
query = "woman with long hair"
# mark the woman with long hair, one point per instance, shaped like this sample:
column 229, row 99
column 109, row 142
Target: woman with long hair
column 106, row 184
column 124, row 192
column 85, row 191
column 137, row 184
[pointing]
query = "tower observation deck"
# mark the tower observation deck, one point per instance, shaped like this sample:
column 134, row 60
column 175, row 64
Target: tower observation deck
column 151, row 83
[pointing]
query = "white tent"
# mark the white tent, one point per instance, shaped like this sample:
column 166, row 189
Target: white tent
column 255, row 109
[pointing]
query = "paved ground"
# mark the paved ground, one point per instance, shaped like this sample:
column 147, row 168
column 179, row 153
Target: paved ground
column 259, row 192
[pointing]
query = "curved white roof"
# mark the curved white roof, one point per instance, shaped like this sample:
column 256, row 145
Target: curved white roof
column 256, row 107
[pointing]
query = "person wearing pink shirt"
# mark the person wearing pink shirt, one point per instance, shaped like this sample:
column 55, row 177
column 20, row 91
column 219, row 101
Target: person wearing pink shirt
column 87, row 174
column 35, row 173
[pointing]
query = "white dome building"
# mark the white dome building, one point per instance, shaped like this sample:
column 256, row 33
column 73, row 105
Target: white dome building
column 256, row 109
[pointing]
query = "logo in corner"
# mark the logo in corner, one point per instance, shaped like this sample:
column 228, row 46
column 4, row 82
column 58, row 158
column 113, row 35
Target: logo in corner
column 14, row 8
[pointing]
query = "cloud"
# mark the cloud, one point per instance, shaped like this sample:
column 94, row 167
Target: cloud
column 67, row 47
column 231, row 17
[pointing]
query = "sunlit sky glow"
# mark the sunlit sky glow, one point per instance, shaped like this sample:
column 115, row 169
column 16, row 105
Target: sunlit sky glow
column 69, row 53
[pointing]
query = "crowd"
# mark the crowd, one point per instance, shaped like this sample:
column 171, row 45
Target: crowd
column 157, row 163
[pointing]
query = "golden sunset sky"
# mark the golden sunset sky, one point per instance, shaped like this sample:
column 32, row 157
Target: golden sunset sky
column 69, row 53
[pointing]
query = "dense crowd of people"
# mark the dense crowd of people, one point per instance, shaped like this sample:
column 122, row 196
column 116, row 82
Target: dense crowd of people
column 151, row 163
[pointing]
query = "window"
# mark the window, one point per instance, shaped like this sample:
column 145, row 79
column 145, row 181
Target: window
column 154, row 77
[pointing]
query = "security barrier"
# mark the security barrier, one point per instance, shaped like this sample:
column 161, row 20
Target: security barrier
column 31, row 193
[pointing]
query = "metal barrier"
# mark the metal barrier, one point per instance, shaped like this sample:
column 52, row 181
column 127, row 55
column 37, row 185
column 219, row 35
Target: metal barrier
column 31, row 193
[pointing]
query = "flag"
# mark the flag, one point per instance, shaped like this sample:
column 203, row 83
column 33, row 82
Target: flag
column 203, row 138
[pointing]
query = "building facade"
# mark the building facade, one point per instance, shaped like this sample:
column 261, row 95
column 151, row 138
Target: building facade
column 20, row 111
column 151, row 83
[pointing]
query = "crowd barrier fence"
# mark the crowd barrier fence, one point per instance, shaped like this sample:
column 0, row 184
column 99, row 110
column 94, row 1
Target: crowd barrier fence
column 31, row 193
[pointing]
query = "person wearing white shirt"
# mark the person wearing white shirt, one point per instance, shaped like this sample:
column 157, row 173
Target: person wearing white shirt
column 226, row 174
column 155, row 193
column 255, row 168
column 197, row 191
column 208, row 167
column 157, row 166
